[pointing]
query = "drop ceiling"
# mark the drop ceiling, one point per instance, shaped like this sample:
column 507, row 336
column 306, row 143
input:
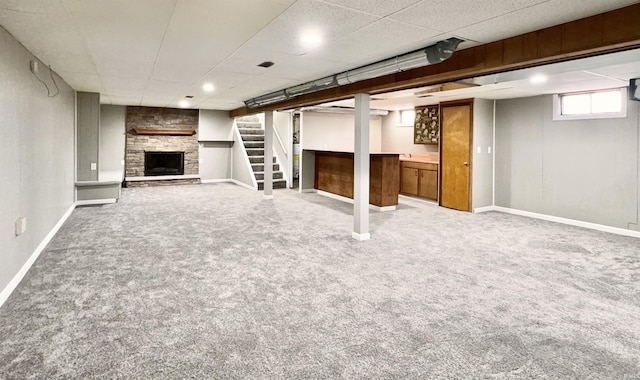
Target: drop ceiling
column 156, row 52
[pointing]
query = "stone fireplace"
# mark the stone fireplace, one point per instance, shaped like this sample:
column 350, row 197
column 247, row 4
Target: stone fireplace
column 161, row 146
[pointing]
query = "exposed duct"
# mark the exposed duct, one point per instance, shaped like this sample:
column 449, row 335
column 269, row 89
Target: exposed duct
column 430, row 55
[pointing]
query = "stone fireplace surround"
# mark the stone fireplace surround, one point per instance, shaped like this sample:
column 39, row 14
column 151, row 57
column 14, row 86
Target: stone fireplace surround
column 162, row 120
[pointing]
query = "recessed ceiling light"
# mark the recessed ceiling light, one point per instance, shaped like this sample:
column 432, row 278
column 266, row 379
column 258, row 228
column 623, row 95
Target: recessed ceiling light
column 311, row 38
column 208, row 87
column 184, row 104
column 266, row 64
column 538, row 79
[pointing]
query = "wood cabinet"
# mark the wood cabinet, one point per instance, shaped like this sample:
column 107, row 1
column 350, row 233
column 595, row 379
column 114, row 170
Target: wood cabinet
column 334, row 174
column 419, row 179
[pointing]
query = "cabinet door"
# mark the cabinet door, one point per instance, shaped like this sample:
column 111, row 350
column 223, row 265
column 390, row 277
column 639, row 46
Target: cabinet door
column 428, row 184
column 410, row 181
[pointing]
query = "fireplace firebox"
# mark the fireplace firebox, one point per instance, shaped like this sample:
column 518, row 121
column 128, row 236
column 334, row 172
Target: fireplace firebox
column 163, row 163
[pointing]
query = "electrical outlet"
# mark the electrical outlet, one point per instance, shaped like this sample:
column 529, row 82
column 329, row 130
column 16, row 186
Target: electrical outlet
column 21, row 225
column 94, row 166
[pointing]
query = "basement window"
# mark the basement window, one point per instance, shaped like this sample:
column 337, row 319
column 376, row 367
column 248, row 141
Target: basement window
column 601, row 104
column 407, row 118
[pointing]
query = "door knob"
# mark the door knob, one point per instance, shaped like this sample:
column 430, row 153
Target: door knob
column 466, row 163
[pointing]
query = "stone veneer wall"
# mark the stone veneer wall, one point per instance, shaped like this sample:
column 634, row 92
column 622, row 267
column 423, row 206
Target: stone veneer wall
column 160, row 118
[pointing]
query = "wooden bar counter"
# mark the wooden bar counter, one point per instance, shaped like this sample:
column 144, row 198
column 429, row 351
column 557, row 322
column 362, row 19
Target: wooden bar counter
column 334, row 174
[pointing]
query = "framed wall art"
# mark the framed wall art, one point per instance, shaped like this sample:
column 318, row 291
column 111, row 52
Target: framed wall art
column 426, row 129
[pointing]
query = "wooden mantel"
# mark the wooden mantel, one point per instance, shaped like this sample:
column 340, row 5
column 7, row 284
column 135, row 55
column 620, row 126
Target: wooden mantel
column 166, row 132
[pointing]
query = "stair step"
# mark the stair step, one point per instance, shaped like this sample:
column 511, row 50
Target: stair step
column 252, row 138
column 259, row 159
column 249, row 119
column 255, row 151
column 257, row 168
column 277, row 184
column 251, row 131
column 249, row 124
column 254, row 144
column 276, row 175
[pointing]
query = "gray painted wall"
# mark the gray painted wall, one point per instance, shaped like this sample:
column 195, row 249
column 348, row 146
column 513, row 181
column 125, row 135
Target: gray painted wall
column 37, row 149
column 215, row 155
column 399, row 139
column 585, row 170
column 482, row 182
column 88, row 135
column 112, row 141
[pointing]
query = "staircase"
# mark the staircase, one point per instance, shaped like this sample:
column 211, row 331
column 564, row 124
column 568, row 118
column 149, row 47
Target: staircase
column 252, row 134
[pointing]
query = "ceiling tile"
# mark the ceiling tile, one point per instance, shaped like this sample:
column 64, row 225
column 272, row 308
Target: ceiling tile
column 122, row 28
column 376, row 7
column 357, row 48
column 448, row 15
column 282, row 35
column 33, row 6
column 82, row 82
column 536, row 17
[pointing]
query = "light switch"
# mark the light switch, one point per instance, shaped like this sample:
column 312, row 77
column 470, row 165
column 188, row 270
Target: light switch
column 21, row 225
column 94, row 166
column 489, row 150
column 479, row 149
column 121, row 162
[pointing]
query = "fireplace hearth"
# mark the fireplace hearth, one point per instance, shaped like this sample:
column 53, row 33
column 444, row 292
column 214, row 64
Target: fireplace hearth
column 163, row 163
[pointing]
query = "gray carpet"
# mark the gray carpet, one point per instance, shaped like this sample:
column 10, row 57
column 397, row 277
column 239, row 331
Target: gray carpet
column 213, row 281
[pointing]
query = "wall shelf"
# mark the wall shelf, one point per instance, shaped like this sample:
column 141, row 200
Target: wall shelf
column 166, row 132
column 211, row 143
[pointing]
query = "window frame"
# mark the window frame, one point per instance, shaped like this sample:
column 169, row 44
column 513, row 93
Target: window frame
column 400, row 123
column 557, row 106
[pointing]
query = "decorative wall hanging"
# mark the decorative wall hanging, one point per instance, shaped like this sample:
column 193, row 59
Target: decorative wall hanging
column 426, row 129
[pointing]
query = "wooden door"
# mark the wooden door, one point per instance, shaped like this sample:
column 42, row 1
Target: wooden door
column 409, row 181
column 455, row 160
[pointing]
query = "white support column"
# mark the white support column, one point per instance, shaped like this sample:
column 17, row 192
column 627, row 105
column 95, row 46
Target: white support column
column 268, row 155
column 361, row 169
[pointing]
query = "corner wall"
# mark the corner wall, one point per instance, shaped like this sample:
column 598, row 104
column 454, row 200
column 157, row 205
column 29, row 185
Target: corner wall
column 112, row 141
column 37, row 147
column 215, row 131
column 585, row 170
column 482, row 153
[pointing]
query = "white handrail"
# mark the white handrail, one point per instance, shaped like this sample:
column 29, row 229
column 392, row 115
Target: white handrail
column 275, row 132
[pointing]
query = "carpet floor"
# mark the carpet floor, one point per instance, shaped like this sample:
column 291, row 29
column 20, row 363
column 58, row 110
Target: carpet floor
column 213, row 281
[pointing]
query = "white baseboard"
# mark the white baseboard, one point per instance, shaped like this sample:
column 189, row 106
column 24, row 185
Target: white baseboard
column 360, row 237
column 223, row 180
column 308, row 191
column 572, row 222
column 267, row 196
column 15, row 281
column 95, row 202
column 349, row 200
column 484, row 209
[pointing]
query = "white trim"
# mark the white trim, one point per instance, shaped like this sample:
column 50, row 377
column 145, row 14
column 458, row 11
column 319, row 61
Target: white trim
column 15, row 281
column 91, row 202
column 162, row 177
column 308, row 191
column 268, row 196
column 402, row 197
column 557, row 106
column 242, row 184
column 221, row 180
column 572, row 222
column 361, row 237
column 350, row 201
column 484, row 209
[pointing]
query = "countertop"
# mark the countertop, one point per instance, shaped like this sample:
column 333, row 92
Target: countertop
column 423, row 158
